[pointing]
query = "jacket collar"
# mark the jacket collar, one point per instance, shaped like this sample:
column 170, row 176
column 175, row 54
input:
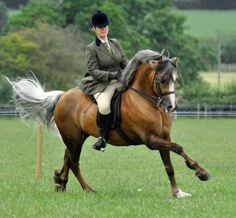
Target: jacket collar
column 98, row 41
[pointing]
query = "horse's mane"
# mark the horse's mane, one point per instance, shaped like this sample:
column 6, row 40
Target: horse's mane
column 141, row 57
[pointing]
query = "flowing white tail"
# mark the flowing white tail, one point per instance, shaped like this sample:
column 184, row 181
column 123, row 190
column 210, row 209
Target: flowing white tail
column 33, row 102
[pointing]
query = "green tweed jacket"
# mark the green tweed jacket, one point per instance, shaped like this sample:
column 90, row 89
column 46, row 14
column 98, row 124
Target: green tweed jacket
column 99, row 63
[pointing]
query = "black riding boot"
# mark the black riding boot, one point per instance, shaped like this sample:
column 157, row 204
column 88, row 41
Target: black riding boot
column 104, row 124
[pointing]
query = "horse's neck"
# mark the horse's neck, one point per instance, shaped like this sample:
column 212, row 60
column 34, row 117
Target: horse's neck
column 143, row 80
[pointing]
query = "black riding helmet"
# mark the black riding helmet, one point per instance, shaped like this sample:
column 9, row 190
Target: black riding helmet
column 99, row 19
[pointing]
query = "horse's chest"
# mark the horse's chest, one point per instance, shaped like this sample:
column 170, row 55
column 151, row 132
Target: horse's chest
column 166, row 125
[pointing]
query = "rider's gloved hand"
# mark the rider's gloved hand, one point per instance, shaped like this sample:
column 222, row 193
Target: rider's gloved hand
column 115, row 75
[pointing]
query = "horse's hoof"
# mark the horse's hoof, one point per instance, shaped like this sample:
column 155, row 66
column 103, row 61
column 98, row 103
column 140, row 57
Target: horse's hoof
column 89, row 190
column 60, row 188
column 98, row 148
column 203, row 175
column 181, row 194
column 57, row 176
column 59, row 179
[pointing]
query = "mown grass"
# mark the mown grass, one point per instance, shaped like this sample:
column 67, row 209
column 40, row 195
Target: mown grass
column 205, row 23
column 226, row 78
column 130, row 181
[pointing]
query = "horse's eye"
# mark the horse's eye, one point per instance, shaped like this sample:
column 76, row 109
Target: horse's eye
column 163, row 81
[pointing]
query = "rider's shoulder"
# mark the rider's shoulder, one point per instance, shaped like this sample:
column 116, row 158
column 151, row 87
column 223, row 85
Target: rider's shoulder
column 113, row 40
column 90, row 45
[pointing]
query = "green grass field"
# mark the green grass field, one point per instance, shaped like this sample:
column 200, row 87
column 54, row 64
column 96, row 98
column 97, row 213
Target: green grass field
column 226, row 78
column 130, row 181
column 209, row 22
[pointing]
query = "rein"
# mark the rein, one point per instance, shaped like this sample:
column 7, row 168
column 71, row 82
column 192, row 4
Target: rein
column 156, row 100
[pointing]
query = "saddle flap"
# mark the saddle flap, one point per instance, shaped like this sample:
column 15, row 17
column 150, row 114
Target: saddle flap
column 115, row 110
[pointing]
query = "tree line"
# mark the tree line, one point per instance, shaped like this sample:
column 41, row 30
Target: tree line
column 48, row 37
column 14, row 3
column 206, row 4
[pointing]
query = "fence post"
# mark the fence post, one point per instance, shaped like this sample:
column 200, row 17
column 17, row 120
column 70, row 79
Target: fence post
column 38, row 170
column 198, row 110
column 205, row 110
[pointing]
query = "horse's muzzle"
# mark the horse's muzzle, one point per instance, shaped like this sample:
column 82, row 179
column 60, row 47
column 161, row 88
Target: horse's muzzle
column 172, row 108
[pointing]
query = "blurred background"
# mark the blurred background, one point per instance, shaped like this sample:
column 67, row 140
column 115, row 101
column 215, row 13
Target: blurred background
column 48, row 37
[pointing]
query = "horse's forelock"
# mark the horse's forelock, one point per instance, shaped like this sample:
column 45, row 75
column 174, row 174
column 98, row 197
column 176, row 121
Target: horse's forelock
column 167, row 68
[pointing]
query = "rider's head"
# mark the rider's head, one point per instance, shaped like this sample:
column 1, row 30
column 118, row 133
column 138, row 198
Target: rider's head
column 99, row 23
column 99, row 19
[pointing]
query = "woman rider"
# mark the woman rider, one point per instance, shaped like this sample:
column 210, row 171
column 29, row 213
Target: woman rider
column 105, row 61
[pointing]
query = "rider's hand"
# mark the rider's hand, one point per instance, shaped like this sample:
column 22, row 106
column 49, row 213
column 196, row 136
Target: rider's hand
column 115, row 75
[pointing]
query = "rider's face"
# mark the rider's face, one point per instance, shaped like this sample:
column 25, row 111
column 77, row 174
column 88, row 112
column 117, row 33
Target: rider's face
column 102, row 32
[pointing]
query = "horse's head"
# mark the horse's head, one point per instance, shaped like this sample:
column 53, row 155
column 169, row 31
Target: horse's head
column 164, row 81
column 154, row 77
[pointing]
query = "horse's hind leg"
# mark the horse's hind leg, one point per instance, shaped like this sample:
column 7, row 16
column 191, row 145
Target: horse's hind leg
column 61, row 176
column 76, row 170
column 74, row 166
column 74, row 144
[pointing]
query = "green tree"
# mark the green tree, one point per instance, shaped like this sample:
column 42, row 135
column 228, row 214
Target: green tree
column 36, row 11
column 61, row 60
column 15, row 54
column 55, row 55
column 5, row 91
column 145, row 24
column 197, row 92
column 3, row 15
column 208, row 51
column 138, row 24
column 229, row 48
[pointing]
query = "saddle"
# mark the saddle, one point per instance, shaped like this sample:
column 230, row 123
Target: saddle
column 116, row 117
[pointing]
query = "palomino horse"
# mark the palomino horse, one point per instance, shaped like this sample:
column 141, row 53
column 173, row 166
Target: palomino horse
column 146, row 104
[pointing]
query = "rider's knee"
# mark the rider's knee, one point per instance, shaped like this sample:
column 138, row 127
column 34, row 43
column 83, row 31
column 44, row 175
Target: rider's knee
column 104, row 108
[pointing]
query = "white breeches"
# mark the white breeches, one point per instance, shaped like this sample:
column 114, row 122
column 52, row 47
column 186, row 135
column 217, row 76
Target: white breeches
column 103, row 99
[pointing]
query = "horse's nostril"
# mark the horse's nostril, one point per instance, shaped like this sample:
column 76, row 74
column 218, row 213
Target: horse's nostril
column 171, row 108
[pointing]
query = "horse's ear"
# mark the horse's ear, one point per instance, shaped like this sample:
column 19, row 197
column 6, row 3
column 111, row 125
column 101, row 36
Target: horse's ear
column 154, row 63
column 174, row 60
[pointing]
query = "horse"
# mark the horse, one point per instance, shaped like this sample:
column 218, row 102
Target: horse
column 146, row 105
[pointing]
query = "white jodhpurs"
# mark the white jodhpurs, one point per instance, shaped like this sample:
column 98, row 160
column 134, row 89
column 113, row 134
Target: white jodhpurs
column 103, row 98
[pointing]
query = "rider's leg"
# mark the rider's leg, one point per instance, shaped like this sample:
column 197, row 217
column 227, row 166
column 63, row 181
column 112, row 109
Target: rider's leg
column 104, row 109
column 104, row 124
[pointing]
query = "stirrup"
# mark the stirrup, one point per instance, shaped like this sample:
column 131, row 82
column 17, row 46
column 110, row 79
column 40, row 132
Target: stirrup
column 100, row 144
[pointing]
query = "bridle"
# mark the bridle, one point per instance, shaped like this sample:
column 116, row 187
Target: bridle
column 157, row 82
column 158, row 99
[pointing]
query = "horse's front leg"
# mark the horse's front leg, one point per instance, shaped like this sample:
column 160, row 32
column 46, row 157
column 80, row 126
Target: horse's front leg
column 176, row 191
column 156, row 143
